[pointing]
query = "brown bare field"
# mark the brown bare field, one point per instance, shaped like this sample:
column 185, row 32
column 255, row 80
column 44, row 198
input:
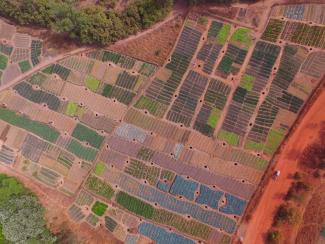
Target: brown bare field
column 270, row 195
column 154, row 47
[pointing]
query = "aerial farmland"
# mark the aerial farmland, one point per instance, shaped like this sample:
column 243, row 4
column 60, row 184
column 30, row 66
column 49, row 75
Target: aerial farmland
column 179, row 151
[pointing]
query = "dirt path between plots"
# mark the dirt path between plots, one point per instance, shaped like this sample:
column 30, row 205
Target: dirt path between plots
column 305, row 133
column 56, row 205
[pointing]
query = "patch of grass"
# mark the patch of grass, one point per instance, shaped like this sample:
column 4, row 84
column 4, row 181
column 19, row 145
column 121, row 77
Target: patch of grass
column 247, row 82
column 229, row 137
column 100, row 168
column 223, row 34
column 134, row 205
column 71, row 109
column 154, row 107
column 254, row 145
column 3, row 62
column 24, row 66
column 242, row 37
column 92, row 83
column 214, row 117
column 99, row 208
column 273, row 141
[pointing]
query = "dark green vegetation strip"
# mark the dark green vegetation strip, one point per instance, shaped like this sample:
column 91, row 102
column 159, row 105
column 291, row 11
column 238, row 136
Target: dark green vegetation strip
column 99, row 187
column 91, row 24
column 22, row 216
column 134, row 205
column 38, row 128
column 83, row 133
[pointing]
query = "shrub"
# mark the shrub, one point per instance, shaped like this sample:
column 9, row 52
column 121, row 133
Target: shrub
column 286, row 214
column 273, row 237
column 297, row 176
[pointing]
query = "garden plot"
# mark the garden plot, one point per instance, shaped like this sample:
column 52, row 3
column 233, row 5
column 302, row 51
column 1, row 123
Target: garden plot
column 183, row 108
column 37, row 96
column 314, row 65
column 160, row 92
column 18, row 53
column 114, row 158
column 160, row 127
column 301, row 12
column 83, row 133
column 304, row 34
column 239, row 43
column 165, row 201
column 264, row 136
column 160, row 235
column 141, row 171
column 214, row 101
column 78, row 64
column 51, row 85
column 273, row 30
column 96, row 121
column 247, row 94
column 94, row 102
column 7, row 155
column 209, row 52
column 36, row 112
column 76, row 213
column 15, row 137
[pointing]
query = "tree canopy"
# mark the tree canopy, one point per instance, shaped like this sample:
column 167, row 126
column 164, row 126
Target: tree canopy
column 21, row 214
column 94, row 24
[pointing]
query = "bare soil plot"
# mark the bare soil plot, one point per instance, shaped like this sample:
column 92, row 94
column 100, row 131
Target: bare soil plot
column 154, row 47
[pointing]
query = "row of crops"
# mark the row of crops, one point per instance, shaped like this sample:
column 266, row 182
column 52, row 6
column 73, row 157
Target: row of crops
column 263, row 135
column 296, row 32
column 217, row 35
column 301, row 12
column 143, row 209
column 239, row 43
column 247, row 94
column 160, row 93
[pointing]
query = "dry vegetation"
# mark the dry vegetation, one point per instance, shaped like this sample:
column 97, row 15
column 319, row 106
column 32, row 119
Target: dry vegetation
column 154, row 47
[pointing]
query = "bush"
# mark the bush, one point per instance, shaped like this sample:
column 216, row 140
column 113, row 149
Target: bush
column 316, row 173
column 273, row 237
column 286, row 214
column 297, row 176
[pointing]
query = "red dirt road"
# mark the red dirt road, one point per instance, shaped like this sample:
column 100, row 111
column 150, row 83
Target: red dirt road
column 287, row 163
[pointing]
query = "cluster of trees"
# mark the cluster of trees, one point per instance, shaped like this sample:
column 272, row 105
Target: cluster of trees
column 94, row 24
column 21, row 215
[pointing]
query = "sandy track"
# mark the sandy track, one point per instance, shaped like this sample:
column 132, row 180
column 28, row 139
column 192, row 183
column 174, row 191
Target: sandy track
column 287, row 162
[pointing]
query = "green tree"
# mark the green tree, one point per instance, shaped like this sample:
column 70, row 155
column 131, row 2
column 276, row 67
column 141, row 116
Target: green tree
column 21, row 215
